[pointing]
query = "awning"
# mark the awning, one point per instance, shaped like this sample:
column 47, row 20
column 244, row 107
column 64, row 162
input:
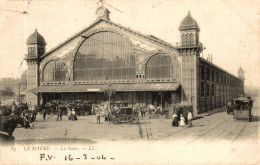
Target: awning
column 102, row 87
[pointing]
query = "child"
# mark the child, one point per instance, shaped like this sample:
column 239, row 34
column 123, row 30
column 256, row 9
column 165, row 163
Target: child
column 182, row 121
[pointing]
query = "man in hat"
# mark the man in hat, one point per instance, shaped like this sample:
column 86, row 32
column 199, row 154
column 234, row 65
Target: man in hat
column 189, row 119
column 59, row 113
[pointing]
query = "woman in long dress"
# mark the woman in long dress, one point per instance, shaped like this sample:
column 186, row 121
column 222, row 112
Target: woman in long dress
column 69, row 113
column 182, row 121
column 73, row 113
column 175, row 120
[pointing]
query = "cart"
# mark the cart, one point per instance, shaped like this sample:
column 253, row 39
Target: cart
column 242, row 109
column 125, row 114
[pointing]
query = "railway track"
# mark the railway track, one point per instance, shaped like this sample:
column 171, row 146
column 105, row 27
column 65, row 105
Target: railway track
column 209, row 131
column 184, row 132
column 239, row 132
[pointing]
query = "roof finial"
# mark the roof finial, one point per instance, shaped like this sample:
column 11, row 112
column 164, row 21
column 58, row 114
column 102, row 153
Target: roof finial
column 189, row 13
column 36, row 30
column 101, row 3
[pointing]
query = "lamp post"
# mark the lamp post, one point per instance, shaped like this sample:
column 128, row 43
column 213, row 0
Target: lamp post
column 109, row 92
column 19, row 85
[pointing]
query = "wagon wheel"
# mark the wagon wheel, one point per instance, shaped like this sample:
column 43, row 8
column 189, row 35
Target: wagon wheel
column 116, row 120
column 129, row 120
column 157, row 115
column 132, row 119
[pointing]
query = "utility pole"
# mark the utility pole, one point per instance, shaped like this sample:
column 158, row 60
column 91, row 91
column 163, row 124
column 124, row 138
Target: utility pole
column 191, row 86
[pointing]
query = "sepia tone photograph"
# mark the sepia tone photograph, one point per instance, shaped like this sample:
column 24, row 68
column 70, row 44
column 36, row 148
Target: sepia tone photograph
column 129, row 82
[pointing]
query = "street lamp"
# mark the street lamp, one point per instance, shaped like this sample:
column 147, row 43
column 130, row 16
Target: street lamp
column 19, row 85
column 109, row 92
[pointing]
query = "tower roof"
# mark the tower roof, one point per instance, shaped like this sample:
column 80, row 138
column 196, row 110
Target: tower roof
column 188, row 22
column 240, row 69
column 36, row 38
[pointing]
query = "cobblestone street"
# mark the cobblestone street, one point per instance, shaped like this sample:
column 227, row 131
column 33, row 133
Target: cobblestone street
column 207, row 128
column 215, row 137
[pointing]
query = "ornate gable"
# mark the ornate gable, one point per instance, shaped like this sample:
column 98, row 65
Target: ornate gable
column 145, row 46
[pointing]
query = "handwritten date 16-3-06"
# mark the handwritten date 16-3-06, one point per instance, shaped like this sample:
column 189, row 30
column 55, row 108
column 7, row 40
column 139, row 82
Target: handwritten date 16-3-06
column 70, row 157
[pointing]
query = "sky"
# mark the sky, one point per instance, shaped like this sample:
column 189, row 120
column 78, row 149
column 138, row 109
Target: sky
column 229, row 29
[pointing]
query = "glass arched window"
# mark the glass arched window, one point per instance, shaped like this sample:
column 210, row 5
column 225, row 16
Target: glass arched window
column 192, row 39
column 183, row 39
column 188, row 39
column 104, row 56
column 159, row 66
column 54, row 71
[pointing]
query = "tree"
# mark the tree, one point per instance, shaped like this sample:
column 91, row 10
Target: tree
column 7, row 92
column 23, row 81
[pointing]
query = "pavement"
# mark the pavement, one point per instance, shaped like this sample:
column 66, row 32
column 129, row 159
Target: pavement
column 210, row 112
column 215, row 138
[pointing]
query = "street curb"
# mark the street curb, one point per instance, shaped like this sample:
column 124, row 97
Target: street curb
column 209, row 113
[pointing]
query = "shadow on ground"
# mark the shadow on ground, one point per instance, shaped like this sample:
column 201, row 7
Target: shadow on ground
column 256, row 118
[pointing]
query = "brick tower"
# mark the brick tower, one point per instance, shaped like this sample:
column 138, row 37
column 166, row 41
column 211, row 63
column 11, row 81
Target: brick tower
column 36, row 48
column 189, row 49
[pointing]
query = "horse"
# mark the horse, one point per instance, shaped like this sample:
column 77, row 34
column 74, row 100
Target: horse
column 104, row 111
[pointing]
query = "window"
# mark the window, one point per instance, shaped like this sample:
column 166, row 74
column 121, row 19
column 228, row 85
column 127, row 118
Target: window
column 31, row 52
column 105, row 56
column 54, row 71
column 212, row 76
column 159, row 66
column 212, row 90
column 192, row 39
column 202, row 90
column 188, row 39
column 208, row 90
column 184, row 38
column 202, row 72
column 208, row 74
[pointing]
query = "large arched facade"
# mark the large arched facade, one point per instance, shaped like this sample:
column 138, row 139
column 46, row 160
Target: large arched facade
column 104, row 55
column 159, row 66
column 54, row 71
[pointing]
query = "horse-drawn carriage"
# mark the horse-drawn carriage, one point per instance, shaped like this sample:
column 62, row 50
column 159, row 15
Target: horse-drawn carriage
column 51, row 107
column 82, row 107
column 125, row 114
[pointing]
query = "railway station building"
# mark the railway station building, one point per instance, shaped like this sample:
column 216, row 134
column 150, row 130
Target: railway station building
column 141, row 69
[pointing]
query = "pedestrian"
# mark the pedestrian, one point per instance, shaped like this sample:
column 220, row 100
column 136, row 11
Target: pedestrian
column 175, row 120
column 69, row 113
column 44, row 113
column 35, row 111
column 26, row 120
column 185, row 116
column 73, row 114
column 142, row 111
column 182, row 121
column 151, row 110
column 13, row 107
column 189, row 119
column 32, row 119
column 59, row 113
column 98, row 116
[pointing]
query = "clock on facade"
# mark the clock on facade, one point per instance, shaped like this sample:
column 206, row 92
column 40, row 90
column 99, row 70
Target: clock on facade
column 101, row 12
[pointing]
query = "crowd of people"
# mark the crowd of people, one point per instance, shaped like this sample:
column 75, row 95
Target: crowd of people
column 182, row 119
column 28, row 117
